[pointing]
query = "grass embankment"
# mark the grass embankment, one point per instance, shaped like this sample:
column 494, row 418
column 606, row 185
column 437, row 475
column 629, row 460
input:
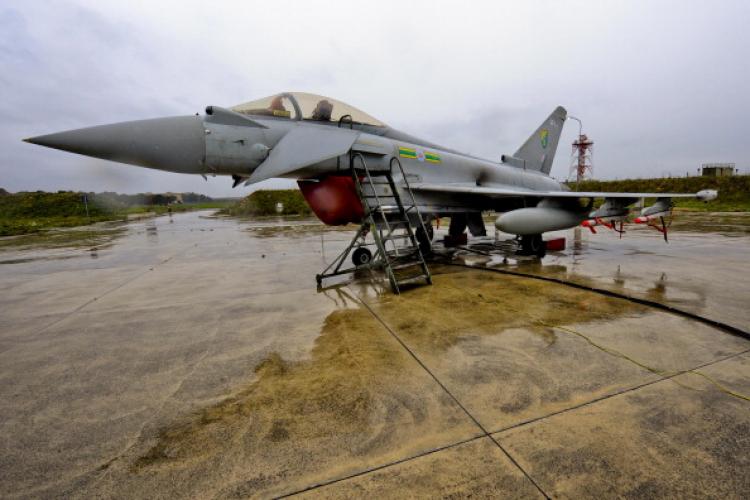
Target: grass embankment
column 22, row 213
column 734, row 192
column 264, row 202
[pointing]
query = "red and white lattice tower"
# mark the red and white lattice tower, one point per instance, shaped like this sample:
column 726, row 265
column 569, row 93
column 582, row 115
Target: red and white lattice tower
column 582, row 158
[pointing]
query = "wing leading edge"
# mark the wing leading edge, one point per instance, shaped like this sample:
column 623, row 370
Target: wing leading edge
column 506, row 191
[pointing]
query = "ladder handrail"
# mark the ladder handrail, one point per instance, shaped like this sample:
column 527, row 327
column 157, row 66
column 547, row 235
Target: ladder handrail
column 411, row 195
column 374, row 192
column 369, row 215
column 414, row 240
column 382, row 229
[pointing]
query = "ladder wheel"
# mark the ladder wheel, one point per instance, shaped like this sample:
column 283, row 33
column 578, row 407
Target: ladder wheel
column 361, row 256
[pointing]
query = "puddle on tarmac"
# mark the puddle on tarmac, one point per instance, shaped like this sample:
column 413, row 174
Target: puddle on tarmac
column 658, row 288
column 291, row 228
column 34, row 247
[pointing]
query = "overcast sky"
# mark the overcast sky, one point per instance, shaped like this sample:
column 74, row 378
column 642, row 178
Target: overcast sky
column 661, row 86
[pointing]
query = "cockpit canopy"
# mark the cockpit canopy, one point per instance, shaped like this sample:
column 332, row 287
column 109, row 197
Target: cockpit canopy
column 304, row 106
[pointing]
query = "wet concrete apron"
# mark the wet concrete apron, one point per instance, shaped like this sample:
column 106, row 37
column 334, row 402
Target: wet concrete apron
column 194, row 358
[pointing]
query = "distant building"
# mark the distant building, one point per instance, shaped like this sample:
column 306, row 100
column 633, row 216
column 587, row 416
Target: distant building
column 717, row 169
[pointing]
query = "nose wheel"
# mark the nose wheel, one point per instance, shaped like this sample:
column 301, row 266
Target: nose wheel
column 533, row 244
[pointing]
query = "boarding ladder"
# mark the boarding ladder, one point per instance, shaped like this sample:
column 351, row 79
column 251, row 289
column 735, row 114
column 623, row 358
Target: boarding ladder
column 389, row 220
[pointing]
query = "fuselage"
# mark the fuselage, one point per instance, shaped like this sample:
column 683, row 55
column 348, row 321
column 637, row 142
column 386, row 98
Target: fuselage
column 294, row 135
column 317, row 140
column 423, row 162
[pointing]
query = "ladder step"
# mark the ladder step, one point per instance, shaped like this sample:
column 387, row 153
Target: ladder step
column 406, row 265
column 393, row 236
column 404, row 249
column 406, row 257
column 373, row 173
column 397, row 222
column 412, row 279
column 391, row 209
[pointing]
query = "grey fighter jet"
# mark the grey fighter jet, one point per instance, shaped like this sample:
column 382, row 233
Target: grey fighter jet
column 313, row 139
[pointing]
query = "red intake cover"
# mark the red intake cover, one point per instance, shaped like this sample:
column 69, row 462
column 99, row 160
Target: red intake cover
column 333, row 199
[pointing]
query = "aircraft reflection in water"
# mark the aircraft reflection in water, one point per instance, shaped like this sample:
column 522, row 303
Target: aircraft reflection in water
column 314, row 139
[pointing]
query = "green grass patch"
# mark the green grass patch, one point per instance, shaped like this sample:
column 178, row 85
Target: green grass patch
column 33, row 212
column 734, row 191
column 262, row 203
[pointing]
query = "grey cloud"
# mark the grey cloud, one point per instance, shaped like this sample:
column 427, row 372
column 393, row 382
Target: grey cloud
column 660, row 86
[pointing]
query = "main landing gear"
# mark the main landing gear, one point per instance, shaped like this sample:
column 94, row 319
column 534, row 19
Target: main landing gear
column 424, row 234
column 533, row 244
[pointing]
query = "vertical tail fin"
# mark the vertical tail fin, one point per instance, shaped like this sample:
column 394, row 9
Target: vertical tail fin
column 539, row 149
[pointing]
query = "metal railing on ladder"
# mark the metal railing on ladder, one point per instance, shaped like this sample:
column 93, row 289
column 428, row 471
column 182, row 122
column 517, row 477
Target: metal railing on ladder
column 399, row 248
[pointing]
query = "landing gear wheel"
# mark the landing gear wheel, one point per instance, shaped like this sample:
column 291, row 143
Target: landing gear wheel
column 361, row 256
column 425, row 240
column 532, row 244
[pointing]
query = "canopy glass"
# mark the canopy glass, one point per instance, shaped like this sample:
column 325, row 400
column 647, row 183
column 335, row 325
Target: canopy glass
column 304, row 106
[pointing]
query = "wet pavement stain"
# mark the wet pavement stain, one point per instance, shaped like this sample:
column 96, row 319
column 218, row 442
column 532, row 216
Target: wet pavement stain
column 205, row 365
column 484, row 473
column 60, row 244
column 293, row 228
column 356, row 387
column 356, row 402
column 665, row 441
column 64, row 238
column 479, row 303
column 511, row 348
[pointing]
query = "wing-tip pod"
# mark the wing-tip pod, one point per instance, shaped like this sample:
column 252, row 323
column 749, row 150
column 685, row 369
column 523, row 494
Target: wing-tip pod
column 707, row 194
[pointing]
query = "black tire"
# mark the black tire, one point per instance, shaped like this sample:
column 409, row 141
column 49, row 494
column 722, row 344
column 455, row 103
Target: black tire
column 361, row 256
column 533, row 244
column 425, row 241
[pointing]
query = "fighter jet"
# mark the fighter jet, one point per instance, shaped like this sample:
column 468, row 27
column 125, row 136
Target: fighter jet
column 313, row 139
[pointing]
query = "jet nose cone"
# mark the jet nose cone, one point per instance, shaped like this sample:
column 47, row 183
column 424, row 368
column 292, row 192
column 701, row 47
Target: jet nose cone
column 175, row 143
